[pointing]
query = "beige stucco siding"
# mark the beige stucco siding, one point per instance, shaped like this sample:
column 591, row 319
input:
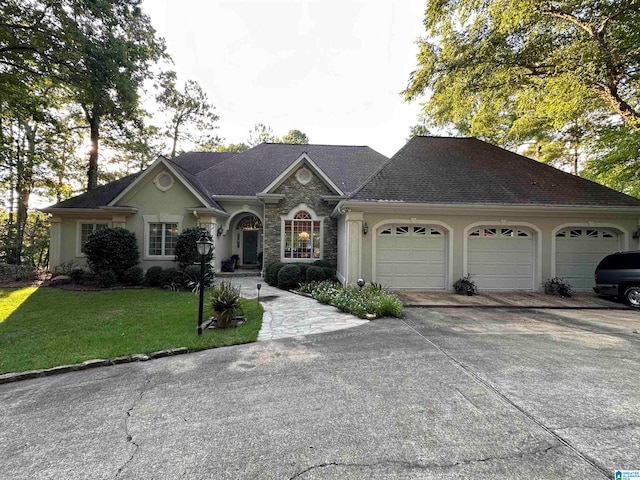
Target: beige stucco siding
column 458, row 223
column 139, row 205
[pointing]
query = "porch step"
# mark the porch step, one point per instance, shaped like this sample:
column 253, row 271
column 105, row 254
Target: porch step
column 240, row 272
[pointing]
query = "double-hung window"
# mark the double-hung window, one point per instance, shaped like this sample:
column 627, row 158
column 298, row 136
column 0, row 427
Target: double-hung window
column 162, row 239
column 302, row 237
column 85, row 230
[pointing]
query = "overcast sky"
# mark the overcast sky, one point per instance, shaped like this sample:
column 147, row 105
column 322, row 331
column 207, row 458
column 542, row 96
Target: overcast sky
column 333, row 69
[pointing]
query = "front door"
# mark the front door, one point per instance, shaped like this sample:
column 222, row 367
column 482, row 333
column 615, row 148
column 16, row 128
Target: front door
column 250, row 247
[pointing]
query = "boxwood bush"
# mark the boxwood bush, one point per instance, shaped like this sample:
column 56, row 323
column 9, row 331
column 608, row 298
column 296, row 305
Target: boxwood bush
column 315, row 274
column 171, row 276
column 271, row 273
column 133, row 276
column 289, row 276
column 154, row 277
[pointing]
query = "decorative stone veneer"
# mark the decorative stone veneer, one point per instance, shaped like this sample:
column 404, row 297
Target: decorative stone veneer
column 295, row 194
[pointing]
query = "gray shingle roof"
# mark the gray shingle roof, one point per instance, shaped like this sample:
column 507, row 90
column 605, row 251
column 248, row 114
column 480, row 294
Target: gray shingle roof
column 196, row 162
column 469, row 171
column 254, row 170
column 100, row 196
column 250, row 172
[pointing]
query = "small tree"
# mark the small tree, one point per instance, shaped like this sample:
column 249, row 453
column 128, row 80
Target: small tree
column 114, row 249
column 186, row 250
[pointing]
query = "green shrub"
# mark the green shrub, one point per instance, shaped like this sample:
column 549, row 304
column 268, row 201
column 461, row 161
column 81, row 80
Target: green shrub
column 315, row 274
column 133, row 276
column 186, row 251
column 271, row 273
column 171, row 277
column 106, row 278
column 114, row 249
column 557, row 286
column 154, row 277
column 371, row 300
column 322, row 264
column 465, row 286
column 77, row 275
column 191, row 276
column 303, row 269
column 329, row 273
column 289, row 277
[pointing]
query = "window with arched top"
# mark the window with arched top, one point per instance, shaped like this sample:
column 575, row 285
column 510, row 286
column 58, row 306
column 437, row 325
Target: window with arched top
column 302, row 237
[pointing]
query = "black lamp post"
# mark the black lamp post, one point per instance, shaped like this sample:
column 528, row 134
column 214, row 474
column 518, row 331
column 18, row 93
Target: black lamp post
column 259, row 287
column 204, row 246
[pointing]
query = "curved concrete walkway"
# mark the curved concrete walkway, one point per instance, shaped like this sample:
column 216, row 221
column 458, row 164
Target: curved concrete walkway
column 287, row 314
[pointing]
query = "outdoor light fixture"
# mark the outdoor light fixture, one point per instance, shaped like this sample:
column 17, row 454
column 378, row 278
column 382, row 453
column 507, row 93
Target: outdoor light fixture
column 220, row 231
column 259, row 287
column 360, row 283
column 365, row 228
column 204, row 247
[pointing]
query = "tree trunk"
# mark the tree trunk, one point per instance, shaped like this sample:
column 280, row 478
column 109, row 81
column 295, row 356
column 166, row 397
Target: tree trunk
column 24, row 185
column 92, row 173
column 175, row 141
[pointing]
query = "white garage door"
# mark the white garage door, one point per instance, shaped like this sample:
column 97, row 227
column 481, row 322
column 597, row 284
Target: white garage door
column 578, row 252
column 411, row 257
column 501, row 258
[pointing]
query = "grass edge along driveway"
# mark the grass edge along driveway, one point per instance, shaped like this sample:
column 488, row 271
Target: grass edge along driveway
column 46, row 327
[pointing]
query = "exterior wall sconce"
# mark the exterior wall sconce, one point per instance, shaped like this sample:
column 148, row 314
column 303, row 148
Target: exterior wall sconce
column 365, row 228
column 220, row 231
column 636, row 234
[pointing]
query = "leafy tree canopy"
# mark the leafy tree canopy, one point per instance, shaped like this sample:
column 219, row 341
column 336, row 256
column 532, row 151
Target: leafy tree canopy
column 295, row 136
column 519, row 71
column 190, row 115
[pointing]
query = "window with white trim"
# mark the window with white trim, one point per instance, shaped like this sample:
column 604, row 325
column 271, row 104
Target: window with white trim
column 87, row 229
column 162, row 239
column 302, row 237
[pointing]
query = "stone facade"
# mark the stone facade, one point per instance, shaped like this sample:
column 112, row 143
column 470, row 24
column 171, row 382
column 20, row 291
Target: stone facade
column 296, row 194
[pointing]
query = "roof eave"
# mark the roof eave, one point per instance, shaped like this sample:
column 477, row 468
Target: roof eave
column 385, row 205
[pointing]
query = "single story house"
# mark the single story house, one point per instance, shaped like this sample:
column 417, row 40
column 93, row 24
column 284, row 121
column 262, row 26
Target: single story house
column 439, row 209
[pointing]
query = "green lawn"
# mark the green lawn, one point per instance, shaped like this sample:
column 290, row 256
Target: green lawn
column 48, row 327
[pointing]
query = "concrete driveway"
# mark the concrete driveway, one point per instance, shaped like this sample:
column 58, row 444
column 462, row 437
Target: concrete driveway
column 443, row 393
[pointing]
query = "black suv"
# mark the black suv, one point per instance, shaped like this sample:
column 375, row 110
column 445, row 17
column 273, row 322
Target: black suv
column 618, row 275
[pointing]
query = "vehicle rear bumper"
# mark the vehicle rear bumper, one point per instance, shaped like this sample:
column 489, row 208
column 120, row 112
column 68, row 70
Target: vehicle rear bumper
column 609, row 290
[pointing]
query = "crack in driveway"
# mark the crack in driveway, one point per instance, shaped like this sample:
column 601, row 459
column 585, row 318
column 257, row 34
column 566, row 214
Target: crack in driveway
column 510, row 403
column 129, row 437
column 425, row 466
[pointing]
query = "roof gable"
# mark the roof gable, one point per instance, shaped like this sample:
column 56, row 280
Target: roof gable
column 187, row 179
column 303, row 161
column 254, row 171
column 443, row 170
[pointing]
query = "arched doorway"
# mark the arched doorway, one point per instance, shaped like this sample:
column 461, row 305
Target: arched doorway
column 249, row 233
